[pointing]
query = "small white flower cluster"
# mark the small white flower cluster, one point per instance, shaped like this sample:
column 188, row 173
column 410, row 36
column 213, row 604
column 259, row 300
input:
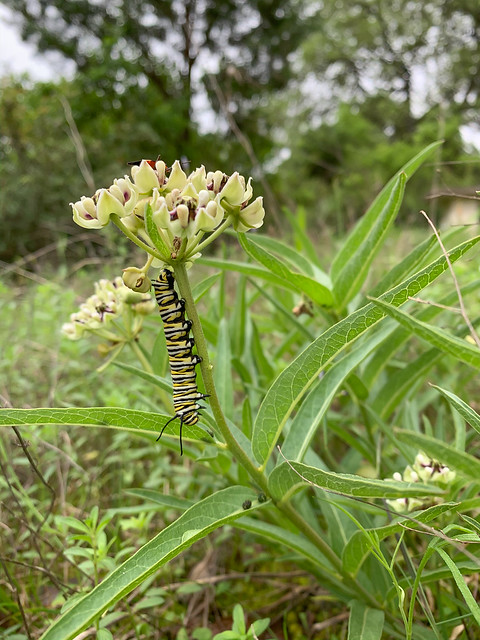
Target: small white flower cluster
column 184, row 207
column 110, row 301
column 424, row 470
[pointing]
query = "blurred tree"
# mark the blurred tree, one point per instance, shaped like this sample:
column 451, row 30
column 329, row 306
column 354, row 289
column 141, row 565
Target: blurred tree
column 171, row 44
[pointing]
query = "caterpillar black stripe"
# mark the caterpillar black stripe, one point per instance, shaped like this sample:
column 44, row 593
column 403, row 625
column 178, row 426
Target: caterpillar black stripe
column 179, row 348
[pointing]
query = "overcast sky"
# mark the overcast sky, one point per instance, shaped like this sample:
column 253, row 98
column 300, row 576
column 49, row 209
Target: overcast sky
column 18, row 57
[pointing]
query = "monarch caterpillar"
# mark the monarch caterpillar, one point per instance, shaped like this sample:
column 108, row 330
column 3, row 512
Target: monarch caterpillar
column 179, row 348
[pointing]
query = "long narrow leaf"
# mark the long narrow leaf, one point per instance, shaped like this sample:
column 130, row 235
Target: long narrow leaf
column 126, row 419
column 196, row 523
column 318, row 292
column 458, row 461
column 310, row 414
column 462, row 585
column 296, row 379
column 365, row 246
column 439, row 338
column 364, row 623
column 461, row 407
column 288, row 478
column 363, row 228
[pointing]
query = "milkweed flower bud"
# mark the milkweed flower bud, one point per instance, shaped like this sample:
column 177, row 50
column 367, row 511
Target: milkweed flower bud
column 136, row 279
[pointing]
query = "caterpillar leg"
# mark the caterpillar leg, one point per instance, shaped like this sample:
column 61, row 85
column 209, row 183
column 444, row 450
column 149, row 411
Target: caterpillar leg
column 182, row 419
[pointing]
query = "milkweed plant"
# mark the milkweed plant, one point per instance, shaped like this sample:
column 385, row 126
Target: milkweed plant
column 346, row 512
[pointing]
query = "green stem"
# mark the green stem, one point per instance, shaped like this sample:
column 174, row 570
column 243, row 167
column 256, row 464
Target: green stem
column 117, row 220
column 200, row 247
column 206, row 369
column 256, row 474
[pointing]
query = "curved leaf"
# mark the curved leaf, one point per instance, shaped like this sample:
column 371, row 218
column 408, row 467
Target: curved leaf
column 290, row 386
column 288, row 478
column 318, row 292
column 197, row 522
column 458, row 461
column 126, row 419
column 461, row 407
column 364, row 247
column 368, row 221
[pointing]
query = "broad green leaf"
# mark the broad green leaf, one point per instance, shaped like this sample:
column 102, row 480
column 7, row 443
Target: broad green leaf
column 157, row 381
column 364, row 623
column 459, row 461
column 295, row 380
column 288, row 478
column 368, row 221
column 201, row 288
column 315, row 405
column 462, row 585
column 197, row 522
column 296, row 259
column 222, row 372
column 365, row 246
column 318, row 292
column 125, row 419
column 439, row 338
column 461, row 407
column 360, row 544
column 250, row 269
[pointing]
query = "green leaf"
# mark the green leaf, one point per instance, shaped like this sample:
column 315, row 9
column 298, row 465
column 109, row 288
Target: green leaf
column 404, row 267
column 197, row 522
column 400, row 335
column 296, row 259
column 288, row 478
column 291, row 385
column 275, row 534
column 365, row 244
column 117, row 418
column 461, row 407
column 157, row 381
column 361, row 542
column 319, row 293
column 458, row 461
column 439, row 338
column 302, row 239
column 309, row 416
column 222, row 372
column 249, row 269
column 153, row 232
column 364, row 623
column 461, row 584
column 200, row 289
column 160, row 354
column 369, row 222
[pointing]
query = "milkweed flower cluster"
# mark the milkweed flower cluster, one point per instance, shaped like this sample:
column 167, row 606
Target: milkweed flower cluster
column 110, row 302
column 424, row 470
column 168, row 212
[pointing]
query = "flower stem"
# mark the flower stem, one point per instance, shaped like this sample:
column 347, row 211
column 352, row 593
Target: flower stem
column 117, row 220
column 200, row 247
column 255, row 472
